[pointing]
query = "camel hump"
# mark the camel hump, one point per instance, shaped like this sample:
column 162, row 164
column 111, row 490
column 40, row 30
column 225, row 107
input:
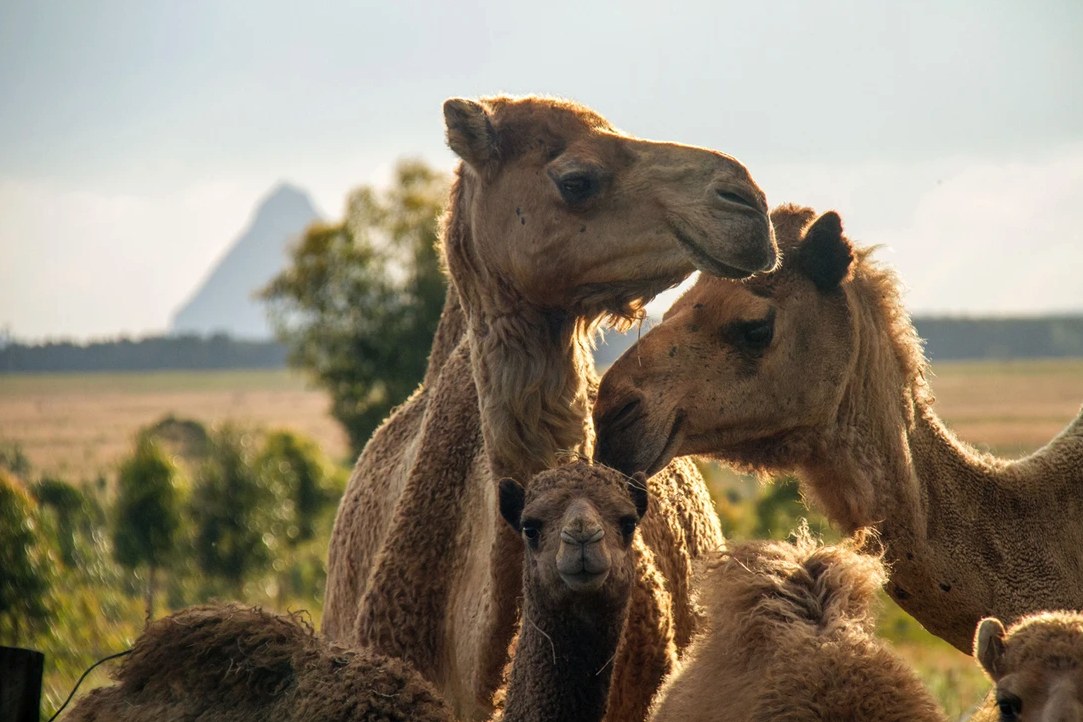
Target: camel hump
column 803, row 582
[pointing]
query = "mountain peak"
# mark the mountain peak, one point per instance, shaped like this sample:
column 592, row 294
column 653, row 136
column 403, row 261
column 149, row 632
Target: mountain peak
column 225, row 301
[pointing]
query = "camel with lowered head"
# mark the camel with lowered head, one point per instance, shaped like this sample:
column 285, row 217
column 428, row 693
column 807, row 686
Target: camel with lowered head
column 789, row 635
column 556, row 220
column 815, row 367
column 1036, row 667
column 236, row 664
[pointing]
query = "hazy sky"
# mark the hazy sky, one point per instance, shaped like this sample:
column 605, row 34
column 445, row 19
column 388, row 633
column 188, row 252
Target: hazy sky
column 136, row 137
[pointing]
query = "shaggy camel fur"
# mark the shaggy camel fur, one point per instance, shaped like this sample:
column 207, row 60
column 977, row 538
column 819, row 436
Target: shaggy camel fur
column 816, row 367
column 555, row 221
column 1036, row 667
column 789, row 636
column 232, row 663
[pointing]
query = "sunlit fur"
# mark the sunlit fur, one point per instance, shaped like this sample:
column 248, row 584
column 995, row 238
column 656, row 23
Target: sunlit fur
column 790, row 636
column 510, row 383
column 839, row 396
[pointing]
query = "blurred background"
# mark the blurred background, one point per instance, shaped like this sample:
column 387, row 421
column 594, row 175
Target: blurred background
column 216, row 266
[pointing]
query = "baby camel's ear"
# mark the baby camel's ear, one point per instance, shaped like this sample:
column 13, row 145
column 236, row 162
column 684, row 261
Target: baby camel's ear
column 512, row 497
column 825, row 255
column 638, row 490
column 989, row 646
column 470, row 132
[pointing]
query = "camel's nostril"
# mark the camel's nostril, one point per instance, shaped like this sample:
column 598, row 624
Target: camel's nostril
column 582, row 536
column 729, row 195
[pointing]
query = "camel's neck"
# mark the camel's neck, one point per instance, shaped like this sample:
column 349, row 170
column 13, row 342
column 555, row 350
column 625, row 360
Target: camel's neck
column 563, row 665
column 534, row 375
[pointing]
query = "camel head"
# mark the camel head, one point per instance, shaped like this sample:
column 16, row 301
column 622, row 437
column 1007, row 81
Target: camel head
column 1036, row 665
column 742, row 369
column 563, row 211
column 577, row 523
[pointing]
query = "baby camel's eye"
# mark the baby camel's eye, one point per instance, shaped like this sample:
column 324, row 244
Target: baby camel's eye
column 1010, row 707
column 628, row 526
column 754, row 336
column 532, row 531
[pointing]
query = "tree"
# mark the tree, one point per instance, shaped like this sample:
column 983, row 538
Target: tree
column 146, row 514
column 297, row 470
column 233, row 511
column 69, row 510
column 24, row 580
column 359, row 304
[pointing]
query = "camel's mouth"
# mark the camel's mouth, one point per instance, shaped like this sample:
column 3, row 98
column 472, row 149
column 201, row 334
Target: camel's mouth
column 669, row 448
column 707, row 263
column 585, row 581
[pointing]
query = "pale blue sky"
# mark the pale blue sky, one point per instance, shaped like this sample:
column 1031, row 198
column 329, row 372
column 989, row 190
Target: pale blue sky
column 135, row 137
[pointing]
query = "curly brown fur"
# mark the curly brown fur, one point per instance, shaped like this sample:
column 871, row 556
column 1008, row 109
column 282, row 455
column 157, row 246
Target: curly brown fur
column 790, row 636
column 534, row 271
column 1036, row 667
column 237, row 664
column 815, row 368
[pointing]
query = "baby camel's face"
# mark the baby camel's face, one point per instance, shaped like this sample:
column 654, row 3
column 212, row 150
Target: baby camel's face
column 1043, row 694
column 579, row 543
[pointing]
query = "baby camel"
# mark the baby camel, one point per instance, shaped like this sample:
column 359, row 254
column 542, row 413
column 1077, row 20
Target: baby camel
column 1037, row 667
column 789, row 636
column 815, row 367
column 235, row 664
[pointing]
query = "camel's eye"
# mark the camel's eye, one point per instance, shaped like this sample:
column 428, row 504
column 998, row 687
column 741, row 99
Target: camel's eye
column 577, row 187
column 532, row 531
column 755, row 335
column 628, row 526
column 1010, row 707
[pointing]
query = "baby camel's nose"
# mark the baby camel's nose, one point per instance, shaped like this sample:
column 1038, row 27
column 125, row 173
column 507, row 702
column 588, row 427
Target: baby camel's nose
column 580, row 533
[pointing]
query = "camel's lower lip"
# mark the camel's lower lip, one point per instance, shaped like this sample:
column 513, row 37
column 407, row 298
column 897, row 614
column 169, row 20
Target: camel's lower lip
column 666, row 453
column 584, row 581
column 707, row 263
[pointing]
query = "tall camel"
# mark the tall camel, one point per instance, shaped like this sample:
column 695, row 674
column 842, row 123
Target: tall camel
column 816, row 368
column 556, row 221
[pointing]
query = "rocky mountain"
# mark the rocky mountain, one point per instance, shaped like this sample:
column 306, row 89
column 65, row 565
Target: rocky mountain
column 225, row 302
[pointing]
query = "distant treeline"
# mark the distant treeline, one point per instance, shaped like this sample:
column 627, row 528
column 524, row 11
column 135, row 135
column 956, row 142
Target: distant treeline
column 157, row 353
column 946, row 339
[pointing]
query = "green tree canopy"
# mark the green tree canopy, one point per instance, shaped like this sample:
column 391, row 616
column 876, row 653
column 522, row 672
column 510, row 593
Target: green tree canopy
column 233, row 510
column 359, row 304
column 69, row 507
column 24, row 579
column 146, row 514
column 296, row 468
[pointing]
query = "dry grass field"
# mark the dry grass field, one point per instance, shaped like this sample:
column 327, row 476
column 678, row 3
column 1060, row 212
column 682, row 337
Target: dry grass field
column 80, row 425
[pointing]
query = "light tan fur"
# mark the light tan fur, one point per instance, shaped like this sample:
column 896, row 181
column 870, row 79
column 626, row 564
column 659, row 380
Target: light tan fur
column 790, row 635
column 1036, row 667
column 419, row 565
column 837, row 393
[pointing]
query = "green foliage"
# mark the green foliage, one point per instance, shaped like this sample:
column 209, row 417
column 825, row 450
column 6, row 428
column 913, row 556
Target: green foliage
column 359, row 304
column 13, row 459
column 24, row 582
column 297, row 471
column 232, row 511
column 69, row 510
column 147, row 509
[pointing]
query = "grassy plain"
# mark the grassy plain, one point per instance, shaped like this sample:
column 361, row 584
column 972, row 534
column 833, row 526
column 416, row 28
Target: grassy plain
column 80, row 425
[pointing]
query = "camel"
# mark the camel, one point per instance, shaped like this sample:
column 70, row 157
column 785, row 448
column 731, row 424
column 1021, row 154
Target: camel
column 555, row 222
column 1036, row 667
column 236, row 664
column 790, row 636
column 816, row 368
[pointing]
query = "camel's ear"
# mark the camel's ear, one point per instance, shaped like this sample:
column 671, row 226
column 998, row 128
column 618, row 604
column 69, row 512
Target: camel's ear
column 470, row 133
column 825, row 255
column 989, row 646
column 512, row 497
column 638, row 490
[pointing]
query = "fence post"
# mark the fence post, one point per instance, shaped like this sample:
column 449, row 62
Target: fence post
column 20, row 684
